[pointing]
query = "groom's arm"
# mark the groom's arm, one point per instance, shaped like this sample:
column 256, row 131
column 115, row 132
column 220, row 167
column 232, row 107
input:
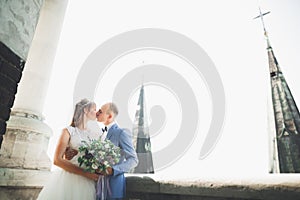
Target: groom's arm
column 130, row 154
column 70, row 153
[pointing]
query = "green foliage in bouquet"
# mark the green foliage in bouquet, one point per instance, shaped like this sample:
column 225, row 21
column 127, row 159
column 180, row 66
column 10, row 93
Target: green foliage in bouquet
column 97, row 156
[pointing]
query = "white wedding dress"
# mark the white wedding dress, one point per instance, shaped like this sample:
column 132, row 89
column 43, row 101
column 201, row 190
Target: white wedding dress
column 64, row 185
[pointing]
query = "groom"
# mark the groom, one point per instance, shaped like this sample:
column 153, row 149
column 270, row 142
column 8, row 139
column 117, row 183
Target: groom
column 123, row 139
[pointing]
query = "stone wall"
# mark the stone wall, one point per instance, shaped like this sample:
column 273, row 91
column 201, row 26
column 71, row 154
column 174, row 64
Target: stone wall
column 18, row 19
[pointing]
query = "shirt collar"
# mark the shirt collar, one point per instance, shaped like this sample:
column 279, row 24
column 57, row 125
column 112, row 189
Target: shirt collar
column 110, row 125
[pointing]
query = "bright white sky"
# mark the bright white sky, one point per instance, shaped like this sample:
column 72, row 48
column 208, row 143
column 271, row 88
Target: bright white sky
column 234, row 42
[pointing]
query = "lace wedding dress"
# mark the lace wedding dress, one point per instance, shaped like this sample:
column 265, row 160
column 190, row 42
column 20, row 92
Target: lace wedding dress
column 63, row 185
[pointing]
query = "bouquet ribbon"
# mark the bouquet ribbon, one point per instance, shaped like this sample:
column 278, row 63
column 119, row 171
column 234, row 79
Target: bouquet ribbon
column 103, row 188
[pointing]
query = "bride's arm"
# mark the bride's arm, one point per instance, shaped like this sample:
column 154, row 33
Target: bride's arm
column 62, row 163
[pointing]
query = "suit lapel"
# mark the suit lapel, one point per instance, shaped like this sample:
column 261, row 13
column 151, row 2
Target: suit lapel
column 110, row 131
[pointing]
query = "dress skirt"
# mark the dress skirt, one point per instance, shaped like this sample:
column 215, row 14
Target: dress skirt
column 64, row 185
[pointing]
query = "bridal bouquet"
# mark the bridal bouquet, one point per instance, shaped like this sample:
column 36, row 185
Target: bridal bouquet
column 96, row 155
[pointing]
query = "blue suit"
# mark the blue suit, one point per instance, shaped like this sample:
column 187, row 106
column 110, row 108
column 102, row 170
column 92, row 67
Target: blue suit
column 123, row 139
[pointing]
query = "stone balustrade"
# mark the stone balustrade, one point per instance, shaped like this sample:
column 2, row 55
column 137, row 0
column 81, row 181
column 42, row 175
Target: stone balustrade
column 146, row 188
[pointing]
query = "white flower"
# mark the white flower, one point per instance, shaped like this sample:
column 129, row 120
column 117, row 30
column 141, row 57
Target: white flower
column 94, row 166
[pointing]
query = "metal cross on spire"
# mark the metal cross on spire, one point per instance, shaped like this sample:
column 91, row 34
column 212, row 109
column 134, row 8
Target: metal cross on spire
column 262, row 19
column 263, row 23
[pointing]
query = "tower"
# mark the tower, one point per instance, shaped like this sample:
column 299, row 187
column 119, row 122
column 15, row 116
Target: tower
column 286, row 140
column 141, row 137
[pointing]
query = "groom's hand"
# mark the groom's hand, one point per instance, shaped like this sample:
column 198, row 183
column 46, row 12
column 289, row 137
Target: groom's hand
column 70, row 153
column 109, row 171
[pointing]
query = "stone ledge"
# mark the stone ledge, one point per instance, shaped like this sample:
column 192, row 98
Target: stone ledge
column 23, row 178
column 147, row 188
column 19, row 193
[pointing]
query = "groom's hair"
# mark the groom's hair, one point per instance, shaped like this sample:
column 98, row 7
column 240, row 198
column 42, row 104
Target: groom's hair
column 112, row 107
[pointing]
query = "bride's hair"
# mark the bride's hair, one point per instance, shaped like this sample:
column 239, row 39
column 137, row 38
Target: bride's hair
column 79, row 111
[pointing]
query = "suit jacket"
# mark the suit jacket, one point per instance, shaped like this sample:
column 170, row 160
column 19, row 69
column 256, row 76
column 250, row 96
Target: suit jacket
column 123, row 139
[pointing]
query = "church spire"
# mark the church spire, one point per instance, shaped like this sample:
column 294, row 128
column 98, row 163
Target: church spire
column 142, row 138
column 286, row 117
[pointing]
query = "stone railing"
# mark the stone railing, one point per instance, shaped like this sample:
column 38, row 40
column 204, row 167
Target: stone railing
column 145, row 188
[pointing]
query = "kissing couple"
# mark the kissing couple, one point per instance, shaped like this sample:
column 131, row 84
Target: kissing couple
column 72, row 182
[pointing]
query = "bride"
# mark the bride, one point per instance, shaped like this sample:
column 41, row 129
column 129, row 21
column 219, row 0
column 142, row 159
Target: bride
column 72, row 182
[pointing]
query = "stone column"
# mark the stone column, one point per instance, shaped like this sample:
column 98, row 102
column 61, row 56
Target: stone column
column 18, row 20
column 24, row 162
